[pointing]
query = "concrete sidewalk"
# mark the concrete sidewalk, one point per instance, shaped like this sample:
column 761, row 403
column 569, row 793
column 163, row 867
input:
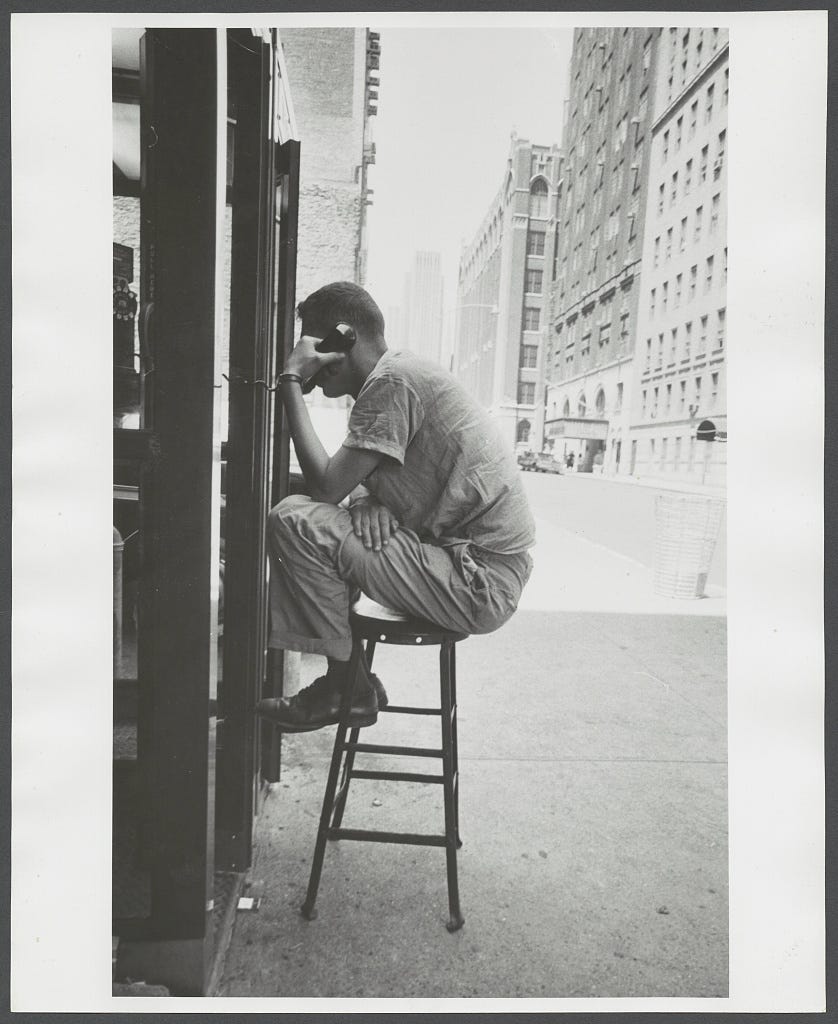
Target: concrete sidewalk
column 593, row 784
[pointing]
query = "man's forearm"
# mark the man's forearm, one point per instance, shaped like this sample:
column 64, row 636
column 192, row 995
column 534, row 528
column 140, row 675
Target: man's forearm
column 311, row 454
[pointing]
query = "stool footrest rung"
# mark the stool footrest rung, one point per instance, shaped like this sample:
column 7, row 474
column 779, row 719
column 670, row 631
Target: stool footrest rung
column 379, row 748
column 395, row 776
column 370, row 836
column 400, row 709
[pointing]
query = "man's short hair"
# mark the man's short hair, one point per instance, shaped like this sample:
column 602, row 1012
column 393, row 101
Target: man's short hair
column 342, row 302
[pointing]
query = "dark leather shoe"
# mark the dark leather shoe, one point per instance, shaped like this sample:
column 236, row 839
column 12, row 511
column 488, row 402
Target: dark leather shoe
column 318, row 705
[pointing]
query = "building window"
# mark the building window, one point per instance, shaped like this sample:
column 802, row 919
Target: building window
column 688, row 338
column 566, row 409
column 661, row 192
column 643, row 406
column 538, row 198
column 673, row 346
column 664, row 444
column 727, row 84
column 651, row 451
column 677, row 301
column 668, row 398
column 599, row 404
column 708, row 274
column 648, row 353
column 624, row 330
column 535, row 243
column 702, row 338
column 693, row 118
column 714, row 389
column 724, row 268
column 699, row 214
column 526, row 394
column 708, row 109
column 673, row 195
column 533, row 282
column 714, row 214
column 720, row 155
column 705, row 156
column 532, row 318
column 652, row 304
column 693, row 280
column 529, row 356
column 665, row 147
column 656, row 257
column 682, row 398
column 682, row 240
column 655, row 402
column 647, row 55
column 581, row 406
column 721, row 317
column 679, row 130
column 664, row 296
column 660, row 352
column 688, row 178
column 668, row 250
column 697, row 392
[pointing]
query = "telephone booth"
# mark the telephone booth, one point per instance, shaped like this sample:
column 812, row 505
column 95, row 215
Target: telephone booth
column 206, row 181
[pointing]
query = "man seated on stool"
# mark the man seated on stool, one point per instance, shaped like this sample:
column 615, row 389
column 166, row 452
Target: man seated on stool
column 437, row 524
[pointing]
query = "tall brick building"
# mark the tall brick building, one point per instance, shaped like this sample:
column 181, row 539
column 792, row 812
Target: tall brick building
column 332, row 72
column 333, row 75
column 422, row 313
column 501, row 292
column 681, row 343
column 596, row 273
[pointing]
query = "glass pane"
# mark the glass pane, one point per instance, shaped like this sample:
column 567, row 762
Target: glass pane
column 126, row 290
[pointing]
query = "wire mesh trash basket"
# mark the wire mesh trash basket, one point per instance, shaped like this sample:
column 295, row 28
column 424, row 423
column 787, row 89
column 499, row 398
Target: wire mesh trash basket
column 686, row 529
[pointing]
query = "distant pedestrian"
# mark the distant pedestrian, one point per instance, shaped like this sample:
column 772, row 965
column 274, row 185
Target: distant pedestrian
column 570, row 460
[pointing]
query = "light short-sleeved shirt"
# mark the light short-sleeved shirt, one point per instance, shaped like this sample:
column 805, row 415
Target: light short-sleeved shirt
column 448, row 475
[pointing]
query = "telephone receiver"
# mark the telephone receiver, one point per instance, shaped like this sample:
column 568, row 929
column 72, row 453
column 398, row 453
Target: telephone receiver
column 340, row 338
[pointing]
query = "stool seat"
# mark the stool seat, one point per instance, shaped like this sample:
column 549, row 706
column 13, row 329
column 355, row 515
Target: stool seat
column 373, row 621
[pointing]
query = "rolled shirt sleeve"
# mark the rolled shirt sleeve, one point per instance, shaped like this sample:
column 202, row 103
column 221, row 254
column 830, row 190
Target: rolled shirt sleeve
column 385, row 417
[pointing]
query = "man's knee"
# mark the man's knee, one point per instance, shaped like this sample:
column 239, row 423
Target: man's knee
column 299, row 516
column 283, row 517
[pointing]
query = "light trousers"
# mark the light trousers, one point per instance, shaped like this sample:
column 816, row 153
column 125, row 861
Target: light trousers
column 318, row 566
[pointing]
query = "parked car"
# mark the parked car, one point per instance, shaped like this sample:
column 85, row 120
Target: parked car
column 526, row 460
column 547, row 463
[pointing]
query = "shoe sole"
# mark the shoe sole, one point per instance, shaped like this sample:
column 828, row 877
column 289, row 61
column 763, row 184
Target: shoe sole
column 355, row 722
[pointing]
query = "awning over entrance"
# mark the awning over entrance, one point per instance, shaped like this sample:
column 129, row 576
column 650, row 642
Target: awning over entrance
column 579, row 428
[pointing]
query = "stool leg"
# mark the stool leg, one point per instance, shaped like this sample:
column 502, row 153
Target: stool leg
column 349, row 760
column 455, row 918
column 454, row 753
column 345, row 778
column 307, row 908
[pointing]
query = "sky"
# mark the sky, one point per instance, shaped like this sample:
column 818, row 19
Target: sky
column 449, row 100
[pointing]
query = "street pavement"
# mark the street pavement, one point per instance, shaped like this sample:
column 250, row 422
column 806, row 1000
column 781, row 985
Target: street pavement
column 593, row 777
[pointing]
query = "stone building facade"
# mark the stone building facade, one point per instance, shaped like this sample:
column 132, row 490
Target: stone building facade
column 596, row 273
column 681, row 341
column 500, row 312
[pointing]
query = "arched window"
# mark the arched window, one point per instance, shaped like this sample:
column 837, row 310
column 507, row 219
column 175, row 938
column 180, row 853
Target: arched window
column 538, row 198
column 581, row 406
column 523, row 431
column 566, row 409
column 599, row 403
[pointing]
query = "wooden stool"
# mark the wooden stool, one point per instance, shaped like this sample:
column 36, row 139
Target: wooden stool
column 375, row 624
